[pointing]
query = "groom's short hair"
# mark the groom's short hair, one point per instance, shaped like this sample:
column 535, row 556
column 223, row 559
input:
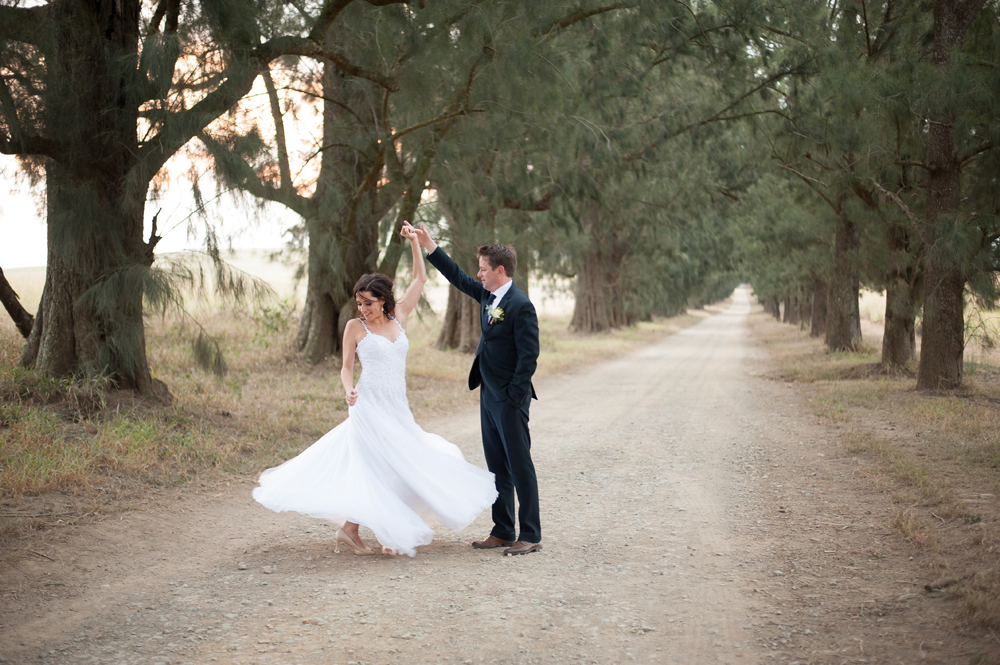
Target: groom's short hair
column 499, row 255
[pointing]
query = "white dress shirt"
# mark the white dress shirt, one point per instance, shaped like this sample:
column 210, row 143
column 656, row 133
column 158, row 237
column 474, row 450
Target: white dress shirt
column 500, row 293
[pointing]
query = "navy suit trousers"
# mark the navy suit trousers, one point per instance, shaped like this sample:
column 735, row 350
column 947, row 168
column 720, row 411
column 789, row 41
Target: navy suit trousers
column 507, row 447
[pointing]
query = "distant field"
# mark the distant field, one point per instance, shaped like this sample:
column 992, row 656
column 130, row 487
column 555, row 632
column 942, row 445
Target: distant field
column 982, row 328
column 551, row 297
column 28, row 284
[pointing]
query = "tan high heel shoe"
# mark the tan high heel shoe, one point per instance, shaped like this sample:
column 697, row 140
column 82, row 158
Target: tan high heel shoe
column 360, row 550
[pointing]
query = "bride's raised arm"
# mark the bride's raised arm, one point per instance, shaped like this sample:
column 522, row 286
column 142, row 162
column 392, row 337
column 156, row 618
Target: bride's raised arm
column 409, row 301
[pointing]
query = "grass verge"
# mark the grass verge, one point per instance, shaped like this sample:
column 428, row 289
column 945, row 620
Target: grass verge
column 936, row 455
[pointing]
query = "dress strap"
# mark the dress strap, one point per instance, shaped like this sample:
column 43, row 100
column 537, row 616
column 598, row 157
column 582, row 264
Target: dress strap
column 363, row 323
column 397, row 324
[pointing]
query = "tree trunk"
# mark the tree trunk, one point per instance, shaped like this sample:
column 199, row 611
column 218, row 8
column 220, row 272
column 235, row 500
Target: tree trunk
column 590, row 310
column 450, row 325
column 902, row 300
column 90, row 314
column 943, row 334
column 12, row 303
column 791, row 310
column 622, row 308
column 599, row 304
column 819, row 306
column 843, row 324
column 805, row 306
column 772, row 307
column 899, row 342
column 462, row 326
column 471, row 327
column 343, row 232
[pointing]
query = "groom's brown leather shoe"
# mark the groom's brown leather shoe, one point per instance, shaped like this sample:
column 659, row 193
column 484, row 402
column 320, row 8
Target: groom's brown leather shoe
column 490, row 542
column 521, row 547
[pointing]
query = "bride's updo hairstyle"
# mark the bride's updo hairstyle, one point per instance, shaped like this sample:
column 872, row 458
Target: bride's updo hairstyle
column 380, row 286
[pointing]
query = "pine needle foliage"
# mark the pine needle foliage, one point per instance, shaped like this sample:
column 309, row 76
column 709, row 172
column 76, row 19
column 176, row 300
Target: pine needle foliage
column 96, row 98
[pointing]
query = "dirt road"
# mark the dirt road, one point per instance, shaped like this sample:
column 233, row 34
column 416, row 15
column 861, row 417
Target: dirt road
column 689, row 512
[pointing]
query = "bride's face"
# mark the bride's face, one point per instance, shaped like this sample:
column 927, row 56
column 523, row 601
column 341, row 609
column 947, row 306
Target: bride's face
column 369, row 306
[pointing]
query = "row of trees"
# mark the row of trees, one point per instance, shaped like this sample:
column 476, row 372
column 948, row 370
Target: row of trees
column 655, row 152
column 545, row 122
column 887, row 164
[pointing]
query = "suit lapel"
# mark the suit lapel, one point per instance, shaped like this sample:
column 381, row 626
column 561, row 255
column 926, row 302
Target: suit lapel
column 502, row 305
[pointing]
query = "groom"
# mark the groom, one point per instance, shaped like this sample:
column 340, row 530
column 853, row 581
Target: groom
column 505, row 361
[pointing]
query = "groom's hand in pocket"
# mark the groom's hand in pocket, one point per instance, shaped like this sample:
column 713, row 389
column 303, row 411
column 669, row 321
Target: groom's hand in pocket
column 515, row 398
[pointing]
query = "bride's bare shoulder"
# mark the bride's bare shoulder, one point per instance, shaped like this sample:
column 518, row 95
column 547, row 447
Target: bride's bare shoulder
column 355, row 329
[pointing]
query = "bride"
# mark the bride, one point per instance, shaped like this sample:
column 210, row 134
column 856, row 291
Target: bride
column 379, row 468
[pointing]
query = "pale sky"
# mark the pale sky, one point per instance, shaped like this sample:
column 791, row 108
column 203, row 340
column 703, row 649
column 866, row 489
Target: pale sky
column 22, row 225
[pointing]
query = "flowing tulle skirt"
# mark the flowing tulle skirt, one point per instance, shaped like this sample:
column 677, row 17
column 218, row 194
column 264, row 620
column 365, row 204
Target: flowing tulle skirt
column 380, row 469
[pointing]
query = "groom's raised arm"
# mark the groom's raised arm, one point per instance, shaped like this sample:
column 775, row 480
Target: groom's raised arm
column 446, row 266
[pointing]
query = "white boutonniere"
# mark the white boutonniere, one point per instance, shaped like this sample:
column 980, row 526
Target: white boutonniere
column 495, row 313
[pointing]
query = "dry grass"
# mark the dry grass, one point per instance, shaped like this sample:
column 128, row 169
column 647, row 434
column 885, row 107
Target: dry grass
column 911, row 480
column 936, row 455
column 72, row 436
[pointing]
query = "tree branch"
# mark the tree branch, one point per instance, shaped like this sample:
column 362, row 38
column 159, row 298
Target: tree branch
column 279, row 130
column 693, row 15
column 676, row 49
column 577, row 16
column 29, row 144
column 179, row 128
column 433, row 121
column 165, row 8
column 720, row 114
column 292, row 45
column 329, row 14
column 243, row 176
column 811, row 182
column 332, row 10
column 989, row 145
column 23, row 24
column 784, row 34
column 150, row 247
column 899, row 203
column 19, row 142
column 12, row 303
column 329, row 100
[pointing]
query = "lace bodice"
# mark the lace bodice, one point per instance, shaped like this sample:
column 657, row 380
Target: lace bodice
column 383, row 367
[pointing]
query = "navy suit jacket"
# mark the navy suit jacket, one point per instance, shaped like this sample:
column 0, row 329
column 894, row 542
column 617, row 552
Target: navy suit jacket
column 508, row 349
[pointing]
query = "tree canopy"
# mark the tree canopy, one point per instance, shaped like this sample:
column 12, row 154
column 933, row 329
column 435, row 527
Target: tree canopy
column 654, row 153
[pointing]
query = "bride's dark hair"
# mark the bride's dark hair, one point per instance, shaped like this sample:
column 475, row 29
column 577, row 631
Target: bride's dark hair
column 380, row 286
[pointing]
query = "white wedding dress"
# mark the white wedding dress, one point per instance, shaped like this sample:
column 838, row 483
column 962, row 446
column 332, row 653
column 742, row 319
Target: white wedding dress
column 379, row 468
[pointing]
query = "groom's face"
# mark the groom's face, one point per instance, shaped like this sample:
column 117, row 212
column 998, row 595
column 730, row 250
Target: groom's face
column 492, row 278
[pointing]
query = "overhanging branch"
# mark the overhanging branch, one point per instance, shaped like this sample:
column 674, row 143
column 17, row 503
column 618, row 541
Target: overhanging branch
column 577, row 16
column 12, row 303
column 899, row 203
column 307, row 47
column 720, row 115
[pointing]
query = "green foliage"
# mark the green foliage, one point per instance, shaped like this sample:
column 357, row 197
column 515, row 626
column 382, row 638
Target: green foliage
column 851, row 133
column 208, row 354
column 272, row 323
